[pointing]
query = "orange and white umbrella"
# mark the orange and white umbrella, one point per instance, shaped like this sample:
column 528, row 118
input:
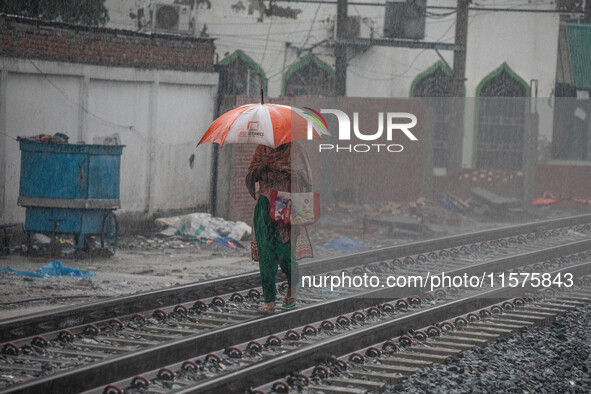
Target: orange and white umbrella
column 267, row 124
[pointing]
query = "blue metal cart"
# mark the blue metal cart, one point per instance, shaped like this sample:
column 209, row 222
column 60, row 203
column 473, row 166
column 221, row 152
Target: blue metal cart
column 71, row 189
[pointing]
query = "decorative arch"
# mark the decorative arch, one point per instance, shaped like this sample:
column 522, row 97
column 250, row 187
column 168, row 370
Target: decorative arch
column 241, row 57
column 309, row 76
column 502, row 73
column 433, row 82
column 500, row 120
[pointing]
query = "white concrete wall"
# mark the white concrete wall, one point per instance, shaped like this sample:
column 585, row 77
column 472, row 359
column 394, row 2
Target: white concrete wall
column 526, row 41
column 159, row 115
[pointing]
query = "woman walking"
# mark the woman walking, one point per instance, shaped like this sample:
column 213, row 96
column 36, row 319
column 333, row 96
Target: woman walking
column 274, row 244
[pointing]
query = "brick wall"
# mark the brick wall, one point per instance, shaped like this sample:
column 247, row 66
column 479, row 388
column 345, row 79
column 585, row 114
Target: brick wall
column 564, row 181
column 35, row 39
column 506, row 183
column 380, row 176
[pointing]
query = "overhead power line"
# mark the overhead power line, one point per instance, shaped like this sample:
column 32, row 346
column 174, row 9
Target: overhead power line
column 434, row 7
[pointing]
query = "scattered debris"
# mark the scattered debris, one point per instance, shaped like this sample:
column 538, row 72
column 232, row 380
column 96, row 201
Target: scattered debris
column 546, row 199
column 454, row 203
column 203, row 225
column 549, row 198
column 57, row 138
column 493, row 200
column 402, row 226
column 450, row 206
column 228, row 242
column 497, row 206
column 41, row 239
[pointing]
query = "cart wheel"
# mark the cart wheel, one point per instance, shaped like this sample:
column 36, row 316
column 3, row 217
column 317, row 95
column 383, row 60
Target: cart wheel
column 110, row 233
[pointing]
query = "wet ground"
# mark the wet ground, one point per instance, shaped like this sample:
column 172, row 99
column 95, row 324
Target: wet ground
column 147, row 262
column 128, row 271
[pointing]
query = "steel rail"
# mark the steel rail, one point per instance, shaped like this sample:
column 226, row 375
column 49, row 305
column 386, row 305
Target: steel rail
column 69, row 316
column 119, row 367
column 265, row 371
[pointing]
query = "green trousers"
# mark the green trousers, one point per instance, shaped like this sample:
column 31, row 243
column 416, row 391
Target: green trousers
column 272, row 252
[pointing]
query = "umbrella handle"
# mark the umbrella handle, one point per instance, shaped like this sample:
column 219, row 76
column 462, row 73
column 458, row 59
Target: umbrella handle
column 262, row 97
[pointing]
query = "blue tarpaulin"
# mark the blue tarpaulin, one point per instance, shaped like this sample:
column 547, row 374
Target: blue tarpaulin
column 343, row 244
column 55, row 268
column 229, row 242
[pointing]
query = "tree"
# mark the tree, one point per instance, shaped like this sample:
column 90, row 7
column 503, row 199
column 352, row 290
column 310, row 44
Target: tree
column 85, row 12
column 570, row 5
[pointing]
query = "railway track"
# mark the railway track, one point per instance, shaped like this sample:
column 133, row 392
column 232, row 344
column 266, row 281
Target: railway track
column 387, row 362
column 368, row 349
column 89, row 346
column 91, row 313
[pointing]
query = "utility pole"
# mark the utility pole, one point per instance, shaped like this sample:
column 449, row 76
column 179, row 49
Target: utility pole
column 456, row 136
column 341, row 50
column 459, row 71
column 530, row 146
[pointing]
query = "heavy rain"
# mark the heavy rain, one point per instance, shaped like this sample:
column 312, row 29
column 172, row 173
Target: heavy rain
column 314, row 196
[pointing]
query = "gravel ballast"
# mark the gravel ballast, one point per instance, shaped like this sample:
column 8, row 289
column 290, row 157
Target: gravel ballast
column 551, row 359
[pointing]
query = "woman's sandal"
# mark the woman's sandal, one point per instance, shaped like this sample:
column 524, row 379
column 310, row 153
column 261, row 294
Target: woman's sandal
column 290, row 301
column 267, row 309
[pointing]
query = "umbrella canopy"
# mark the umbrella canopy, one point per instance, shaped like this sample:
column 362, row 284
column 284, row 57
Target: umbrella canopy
column 266, row 124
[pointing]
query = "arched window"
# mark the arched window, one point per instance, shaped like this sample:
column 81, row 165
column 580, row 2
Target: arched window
column 436, row 82
column 309, row 76
column 241, row 76
column 501, row 120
